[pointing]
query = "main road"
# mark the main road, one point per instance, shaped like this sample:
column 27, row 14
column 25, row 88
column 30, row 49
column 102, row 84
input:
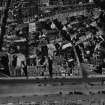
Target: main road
column 19, row 90
column 21, row 87
column 45, row 86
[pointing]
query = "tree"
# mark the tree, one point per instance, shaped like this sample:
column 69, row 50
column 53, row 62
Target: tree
column 100, row 3
column 4, row 22
column 17, row 12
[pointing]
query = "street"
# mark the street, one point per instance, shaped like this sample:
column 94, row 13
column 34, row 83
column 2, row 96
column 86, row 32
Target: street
column 39, row 92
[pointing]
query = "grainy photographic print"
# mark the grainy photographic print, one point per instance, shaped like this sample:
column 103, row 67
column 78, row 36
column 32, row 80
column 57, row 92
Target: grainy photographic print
column 52, row 52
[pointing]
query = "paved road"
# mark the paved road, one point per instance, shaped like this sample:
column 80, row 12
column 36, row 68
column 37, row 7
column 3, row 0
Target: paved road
column 18, row 87
column 52, row 98
column 37, row 93
column 21, row 89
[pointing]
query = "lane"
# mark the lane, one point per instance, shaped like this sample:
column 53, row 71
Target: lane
column 31, row 89
column 35, row 93
column 45, row 86
column 28, row 89
column 50, row 98
column 47, row 80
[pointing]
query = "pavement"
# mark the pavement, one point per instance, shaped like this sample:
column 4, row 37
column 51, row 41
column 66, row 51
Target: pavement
column 35, row 80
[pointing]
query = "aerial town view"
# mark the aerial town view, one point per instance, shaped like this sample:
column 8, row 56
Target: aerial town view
column 52, row 52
